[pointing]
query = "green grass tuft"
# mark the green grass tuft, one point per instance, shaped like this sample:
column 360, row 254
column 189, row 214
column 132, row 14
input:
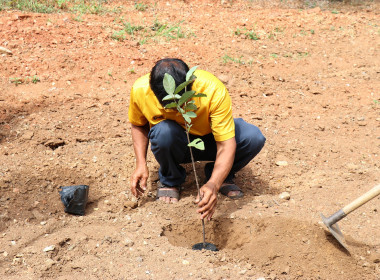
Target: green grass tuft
column 54, row 6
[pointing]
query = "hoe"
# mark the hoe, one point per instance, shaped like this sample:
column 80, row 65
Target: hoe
column 331, row 222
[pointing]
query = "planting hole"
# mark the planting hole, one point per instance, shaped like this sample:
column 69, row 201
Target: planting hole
column 263, row 241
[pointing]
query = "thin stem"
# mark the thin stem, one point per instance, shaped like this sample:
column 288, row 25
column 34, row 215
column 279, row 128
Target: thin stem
column 196, row 181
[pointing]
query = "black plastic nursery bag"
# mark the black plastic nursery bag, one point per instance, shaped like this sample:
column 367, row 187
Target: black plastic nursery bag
column 74, row 198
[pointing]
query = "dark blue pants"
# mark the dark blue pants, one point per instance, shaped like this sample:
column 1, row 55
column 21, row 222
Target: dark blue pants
column 169, row 145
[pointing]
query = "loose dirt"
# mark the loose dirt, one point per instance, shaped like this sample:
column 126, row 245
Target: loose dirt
column 309, row 78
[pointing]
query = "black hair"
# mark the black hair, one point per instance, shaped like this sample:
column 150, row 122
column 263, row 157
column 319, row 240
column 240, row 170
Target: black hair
column 177, row 68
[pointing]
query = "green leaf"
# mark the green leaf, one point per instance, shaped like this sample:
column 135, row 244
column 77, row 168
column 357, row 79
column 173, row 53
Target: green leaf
column 185, row 97
column 169, row 84
column 190, row 114
column 190, row 73
column 171, row 105
column 182, row 111
column 190, row 107
column 187, row 118
column 197, row 143
column 183, row 85
column 200, row 95
column 168, row 97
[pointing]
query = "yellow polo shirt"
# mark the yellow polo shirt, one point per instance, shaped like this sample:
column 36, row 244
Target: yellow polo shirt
column 214, row 113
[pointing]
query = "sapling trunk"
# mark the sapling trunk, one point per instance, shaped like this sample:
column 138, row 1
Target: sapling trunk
column 197, row 183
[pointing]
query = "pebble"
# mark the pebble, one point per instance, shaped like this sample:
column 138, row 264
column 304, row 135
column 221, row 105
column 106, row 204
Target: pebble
column 284, row 195
column 185, row 262
column 286, row 270
column 5, row 50
column 48, row 264
column 365, row 264
column 224, row 78
column 130, row 204
column 242, row 272
column 281, row 163
column 49, row 248
column 128, row 242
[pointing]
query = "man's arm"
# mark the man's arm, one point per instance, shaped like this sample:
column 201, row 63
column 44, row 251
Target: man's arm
column 140, row 146
column 225, row 156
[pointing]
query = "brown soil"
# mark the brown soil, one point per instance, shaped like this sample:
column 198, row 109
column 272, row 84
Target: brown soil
column 311, row 83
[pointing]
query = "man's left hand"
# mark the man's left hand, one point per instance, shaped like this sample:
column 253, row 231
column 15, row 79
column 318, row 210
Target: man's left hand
column 209, row 194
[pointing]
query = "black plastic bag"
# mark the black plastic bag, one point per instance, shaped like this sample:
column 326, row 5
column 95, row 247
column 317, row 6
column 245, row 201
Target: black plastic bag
column 74, row 198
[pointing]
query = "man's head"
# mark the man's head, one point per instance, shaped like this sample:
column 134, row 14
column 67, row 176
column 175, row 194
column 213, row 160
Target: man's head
column 173, row 66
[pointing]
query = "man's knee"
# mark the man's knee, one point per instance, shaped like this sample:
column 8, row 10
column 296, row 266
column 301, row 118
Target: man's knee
column 249, row 136
column 165, row 134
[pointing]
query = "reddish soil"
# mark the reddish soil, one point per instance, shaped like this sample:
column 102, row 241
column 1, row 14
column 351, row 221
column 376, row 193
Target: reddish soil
column 311, row 82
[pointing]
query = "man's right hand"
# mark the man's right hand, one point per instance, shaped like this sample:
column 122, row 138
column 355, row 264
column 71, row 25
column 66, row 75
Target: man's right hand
column 140, row 146
column 139, row 179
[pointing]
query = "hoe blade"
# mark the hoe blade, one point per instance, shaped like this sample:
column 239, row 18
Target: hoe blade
column 335, row 231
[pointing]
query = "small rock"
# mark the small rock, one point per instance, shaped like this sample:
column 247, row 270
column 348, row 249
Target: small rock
column 130, row 204
column 5, row 50
column 281, row 163
column 286, row 270
column 224, row 78
column 128, row 242
column 352, row 167
column 365, row 264
column 49, row 248
column 375, row 258
column 272, row 276
column 28, row 135
column 48, row 264
column 284, row 195
column 185, row 262
column 242, row 272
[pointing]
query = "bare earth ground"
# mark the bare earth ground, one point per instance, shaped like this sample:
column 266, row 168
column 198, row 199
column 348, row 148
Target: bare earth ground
column 311, row 83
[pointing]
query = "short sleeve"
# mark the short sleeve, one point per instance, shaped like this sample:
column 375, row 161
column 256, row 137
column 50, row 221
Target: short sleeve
column 136, row 117
column 222, row 122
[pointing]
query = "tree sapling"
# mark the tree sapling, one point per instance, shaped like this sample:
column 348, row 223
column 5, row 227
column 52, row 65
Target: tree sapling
column 186, row 106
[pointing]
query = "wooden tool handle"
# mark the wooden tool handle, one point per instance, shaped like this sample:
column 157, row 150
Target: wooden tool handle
column 375, row 191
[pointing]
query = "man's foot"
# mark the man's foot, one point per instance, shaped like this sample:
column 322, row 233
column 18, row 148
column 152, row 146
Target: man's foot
column 230, row 190
column 167, row 194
